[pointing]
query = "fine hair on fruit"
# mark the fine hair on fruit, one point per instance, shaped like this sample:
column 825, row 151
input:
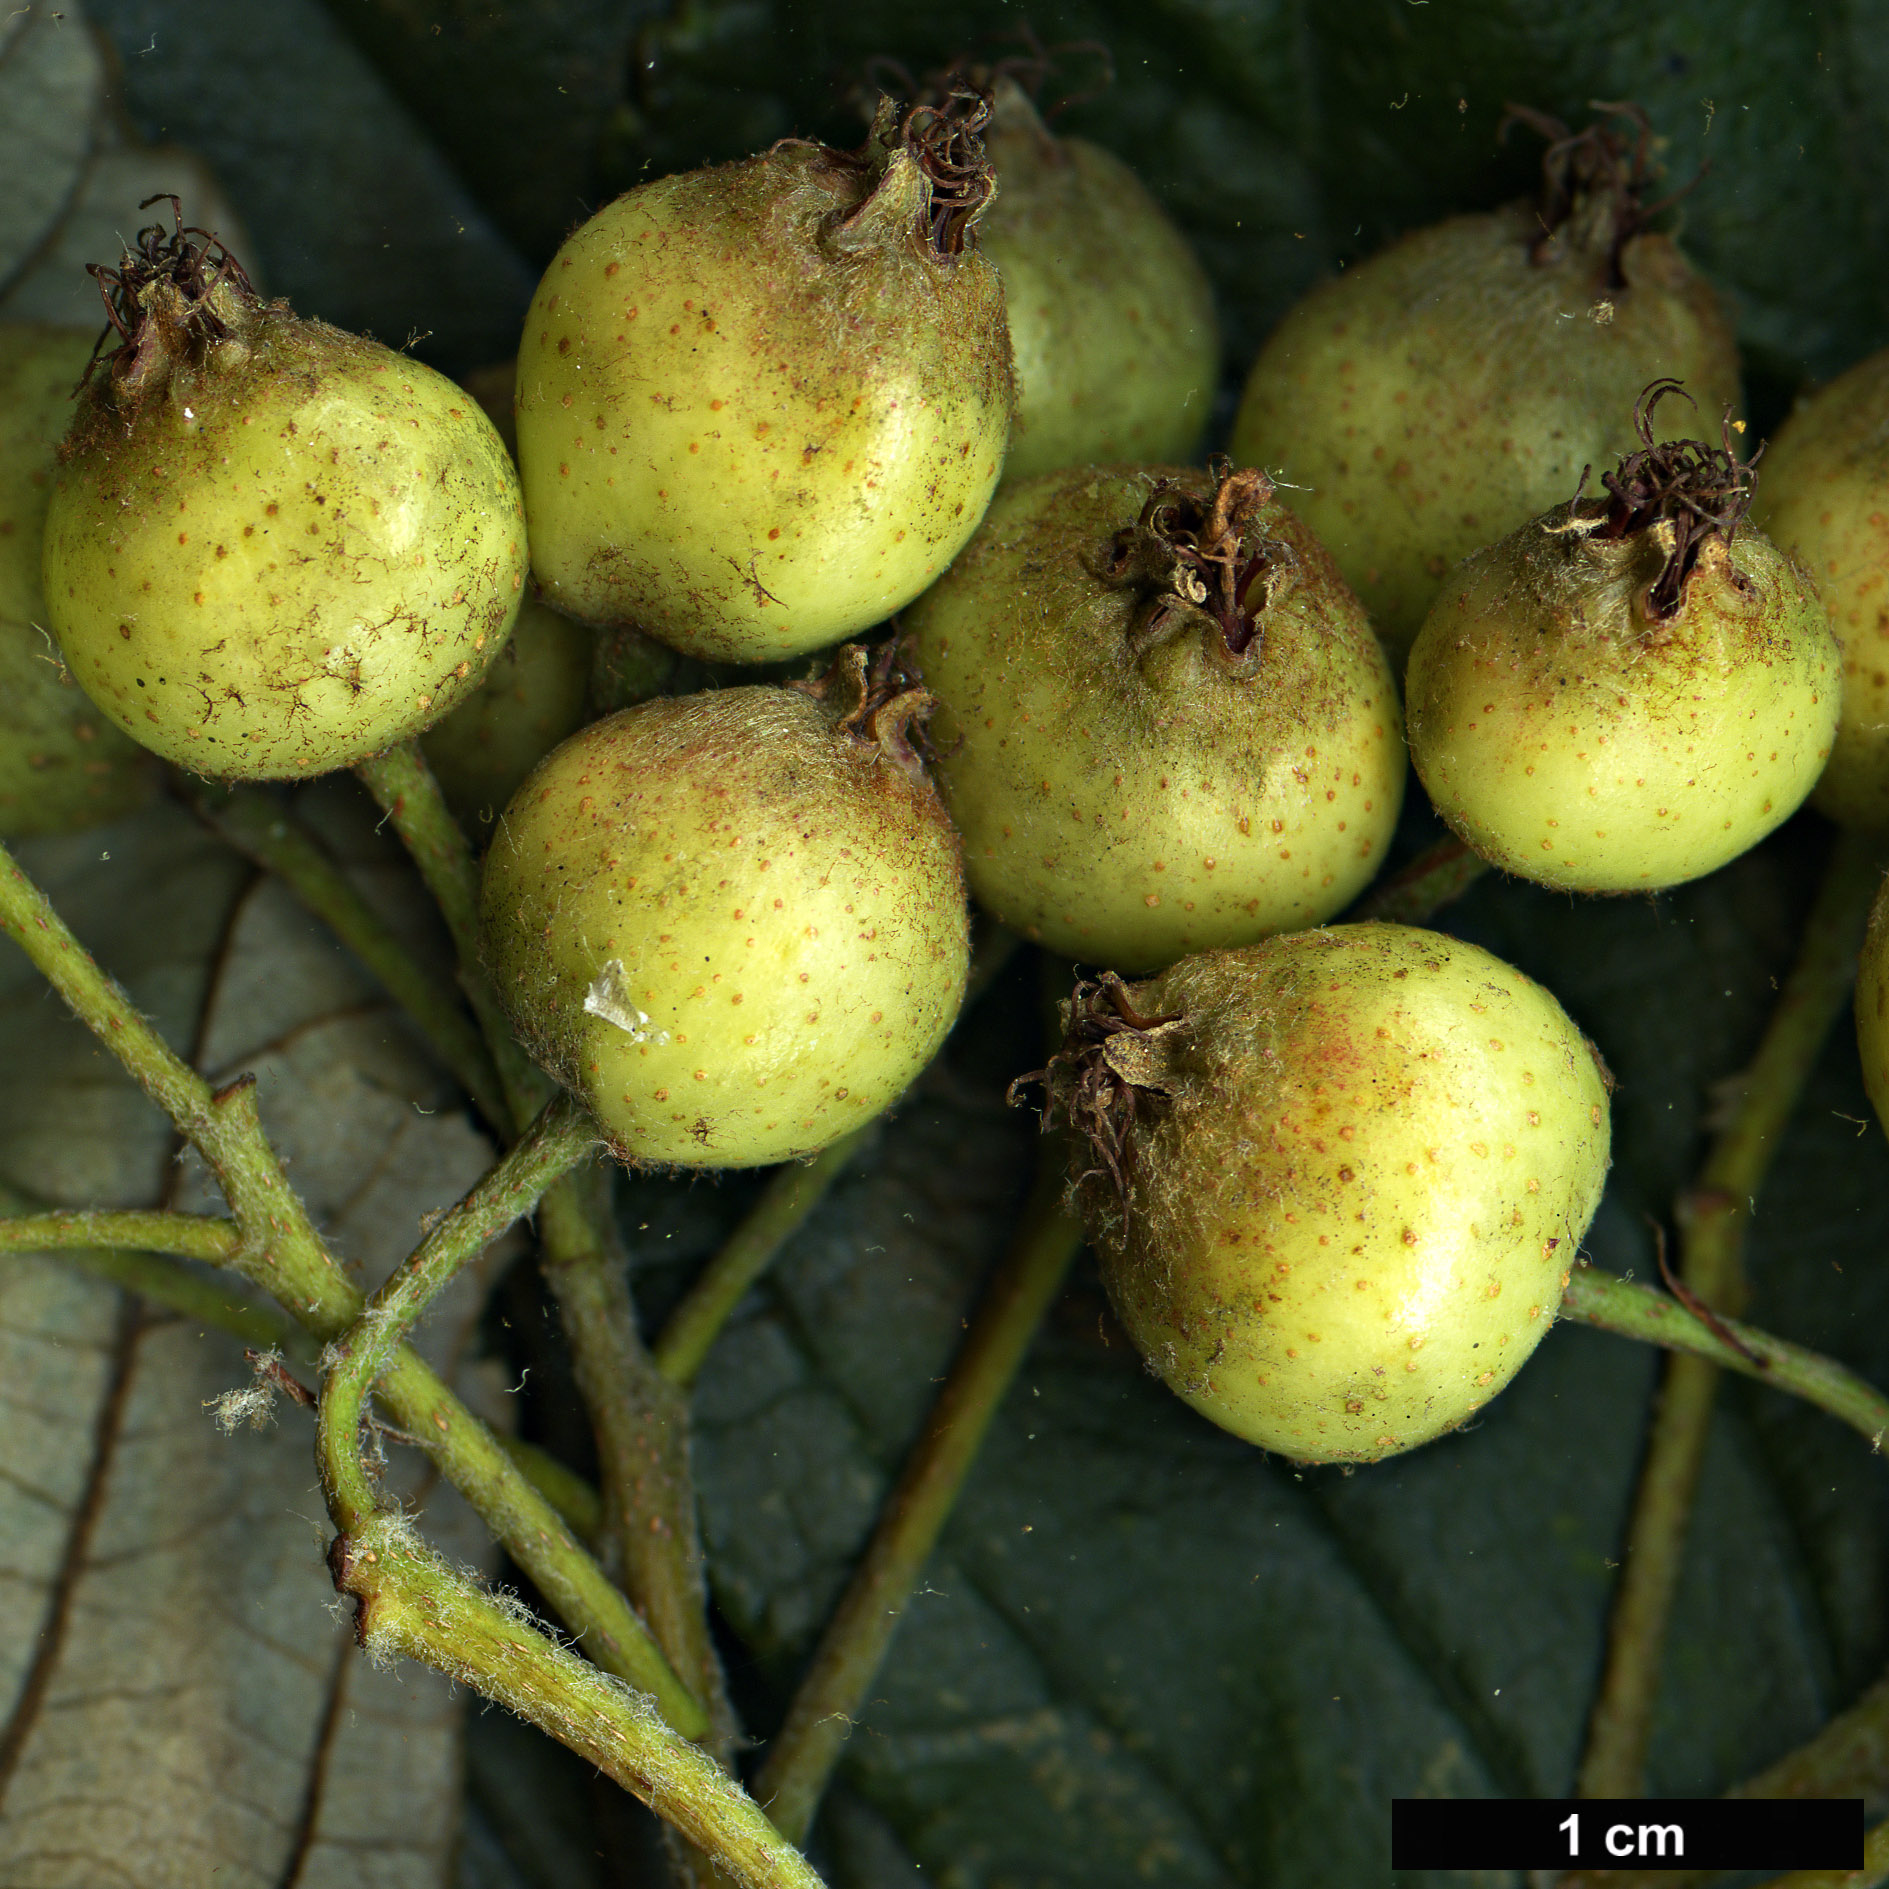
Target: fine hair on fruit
column 761, row 407
column 1336, row 1180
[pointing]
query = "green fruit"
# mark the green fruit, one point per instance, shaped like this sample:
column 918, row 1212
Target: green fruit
column 531, row 698
column 273, row 549
column 734, row 922
column 761, row 407
column 1622, row 695
column 1449, row 389
column 1111, row 315
column 1164, row 723
column 1336, row 1180
column 1872, row 1007
column 1824, row 498
column 62, row 766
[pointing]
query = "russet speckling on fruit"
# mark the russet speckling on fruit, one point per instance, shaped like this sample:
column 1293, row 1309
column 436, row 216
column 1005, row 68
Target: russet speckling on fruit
column 1824, row 498
column 1633, row 689
column 1164, row 724
column 1434, row 397
column 1336, row 1180
column 273, row 549
column 63, row 766
column 734, row 923
column 760, row 407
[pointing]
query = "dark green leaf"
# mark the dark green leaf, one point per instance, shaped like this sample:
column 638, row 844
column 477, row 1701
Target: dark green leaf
column 356, row 217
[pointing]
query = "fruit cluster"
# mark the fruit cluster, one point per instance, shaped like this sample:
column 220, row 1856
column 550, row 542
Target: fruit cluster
column 1144, row 714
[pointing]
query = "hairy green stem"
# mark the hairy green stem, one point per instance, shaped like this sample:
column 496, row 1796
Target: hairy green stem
column 834, row 1688
column 153, row 1230
column 1713, row 1217
column 404, row 789
column 27, row 917
column 642, row 1431
column 130, row 1250
column 266, row 832
column 1610, row 1303
column 282, row 1253
column 561, row 1137
column 409, row 1603
column 649, row 1524
column 1437, row 877
column 164, row 1282
column 567, row 1492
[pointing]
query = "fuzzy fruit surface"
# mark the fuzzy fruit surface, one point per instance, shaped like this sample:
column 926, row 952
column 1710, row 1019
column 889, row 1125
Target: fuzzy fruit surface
column 1442, row 393
column 733, row 926
column 531, row 698
column 1572, row 737
column 1111, row 315
column 1129, row 793
column 757, row 411
column 62, row 765
column 1358, row 1168
column 1824, row 498
column 1872, row 1007
column 286, row 556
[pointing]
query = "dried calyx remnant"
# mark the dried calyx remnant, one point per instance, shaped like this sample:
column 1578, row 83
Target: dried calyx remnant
column 1594, row 181
column 172, row 297
column 948, row 141
column 872, row 699
column 1112, row 1065
column 945, row 141
column 1193, row 554
column 1702, row 492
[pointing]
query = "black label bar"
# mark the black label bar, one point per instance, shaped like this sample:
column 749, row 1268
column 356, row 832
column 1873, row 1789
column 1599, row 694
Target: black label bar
column 1615, row 1833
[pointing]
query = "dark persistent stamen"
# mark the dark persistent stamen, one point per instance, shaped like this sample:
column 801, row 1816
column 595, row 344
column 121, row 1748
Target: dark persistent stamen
column 1581, row 165
column 1198, row 549
column 1097, row 1101
column 948, row 142
column 1702, row 491
column 195, row 261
